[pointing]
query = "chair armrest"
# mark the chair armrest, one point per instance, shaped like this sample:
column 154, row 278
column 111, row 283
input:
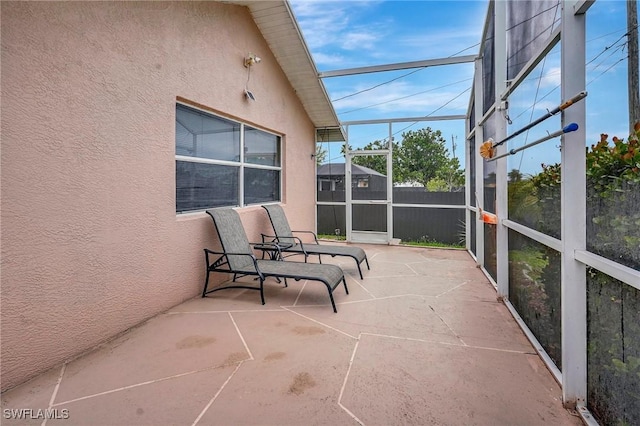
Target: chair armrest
column 276, row 240
column 272, row 237
column 268, row 245
column 223, row 259
column 315, row 237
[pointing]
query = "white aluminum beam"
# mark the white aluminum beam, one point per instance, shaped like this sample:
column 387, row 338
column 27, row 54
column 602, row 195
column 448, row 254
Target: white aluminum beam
column 537, row 236
column 347, row 189
column 500, row 65
column 573, row 212
column 399, row 66
column 620, row 272
column 389, row 158
column 533, row 62
column 582, row 6
column 479, row 135
column 468, row 158
column 406, row 119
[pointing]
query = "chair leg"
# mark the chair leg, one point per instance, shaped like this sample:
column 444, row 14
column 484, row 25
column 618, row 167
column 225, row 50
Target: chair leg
column 206, row 284
column 234, row 277
column 344, row 281
column 320, row 258
column 359, row 270
column 367, row 260
column 262, row 290
column 332, row 301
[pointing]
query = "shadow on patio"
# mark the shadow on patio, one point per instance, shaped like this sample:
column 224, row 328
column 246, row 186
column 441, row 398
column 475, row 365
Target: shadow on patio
column 421, row 340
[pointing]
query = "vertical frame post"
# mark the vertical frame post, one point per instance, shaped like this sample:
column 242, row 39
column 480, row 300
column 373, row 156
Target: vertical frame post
column 347, row 188
column 468, row 158
column 573, row 212
column 241, row 168
column 500, row 65
column 479, row 135
column 390, row 186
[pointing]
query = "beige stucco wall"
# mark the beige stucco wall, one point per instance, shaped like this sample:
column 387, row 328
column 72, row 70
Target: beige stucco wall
column 91, row 243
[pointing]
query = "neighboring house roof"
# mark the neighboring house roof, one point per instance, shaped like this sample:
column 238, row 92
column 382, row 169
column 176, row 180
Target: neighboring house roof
column 278, row 26
column 337, row 169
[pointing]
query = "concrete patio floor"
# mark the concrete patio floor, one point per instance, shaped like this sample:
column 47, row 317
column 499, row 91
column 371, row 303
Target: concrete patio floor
column 421, row 340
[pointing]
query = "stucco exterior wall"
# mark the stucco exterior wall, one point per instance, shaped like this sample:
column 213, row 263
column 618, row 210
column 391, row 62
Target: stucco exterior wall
column 91, row 243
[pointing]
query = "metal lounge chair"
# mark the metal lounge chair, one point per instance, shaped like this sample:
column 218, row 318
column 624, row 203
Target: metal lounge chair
column 237, row 258
column 290, row 244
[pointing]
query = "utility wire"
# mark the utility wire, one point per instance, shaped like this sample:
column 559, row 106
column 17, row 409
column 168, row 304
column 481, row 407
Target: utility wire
column 399, row 77
column 433, row 112
column 555, row 6
column 589, row 62
column 605, row 71
column 611, row 45
column 405, row 97
column 378, row 85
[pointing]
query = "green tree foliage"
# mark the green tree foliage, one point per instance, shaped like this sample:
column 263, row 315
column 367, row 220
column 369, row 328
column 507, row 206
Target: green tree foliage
column 421, row 157
column 378, row 162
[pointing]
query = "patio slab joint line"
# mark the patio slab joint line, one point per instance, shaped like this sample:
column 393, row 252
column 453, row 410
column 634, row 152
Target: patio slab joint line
column 363, row 287
column 451, row 289
column 321, row 323
column 241, row 338
column 135, row 385
column 344, row 383
column 446, row 324
column 251, row 358
column 210, row 403
column 410, row 268
column 300, row 292
column 55, row 391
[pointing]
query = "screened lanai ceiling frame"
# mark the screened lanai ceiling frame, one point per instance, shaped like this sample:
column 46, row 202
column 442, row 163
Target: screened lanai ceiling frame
column 495, row 81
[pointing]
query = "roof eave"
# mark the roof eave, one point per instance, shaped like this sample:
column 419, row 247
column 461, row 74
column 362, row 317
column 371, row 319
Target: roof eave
column 279, row 27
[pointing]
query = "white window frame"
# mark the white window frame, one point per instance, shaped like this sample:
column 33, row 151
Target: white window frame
column 240, row 164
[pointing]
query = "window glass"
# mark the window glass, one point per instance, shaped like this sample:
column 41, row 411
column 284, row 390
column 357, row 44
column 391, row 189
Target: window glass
column 261, row 186
column 261, row 147
column 201, row 186
column 209, row 164
column 205, row 136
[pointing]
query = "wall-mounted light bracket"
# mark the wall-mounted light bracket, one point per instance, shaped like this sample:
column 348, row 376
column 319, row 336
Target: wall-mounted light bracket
column 251, row 59
column 249, row 95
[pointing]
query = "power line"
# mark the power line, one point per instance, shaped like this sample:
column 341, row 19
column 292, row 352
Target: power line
column 535, row 16
column 405, row 97
column 377, row 85
column 399, row 77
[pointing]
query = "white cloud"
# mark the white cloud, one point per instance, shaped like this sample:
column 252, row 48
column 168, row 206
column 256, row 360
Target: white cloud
column 551, row 78
column 328, row 59
column 400, row 97
column 330, row 26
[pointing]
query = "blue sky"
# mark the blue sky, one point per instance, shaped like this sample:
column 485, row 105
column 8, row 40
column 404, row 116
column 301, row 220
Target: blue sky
column 347, row 34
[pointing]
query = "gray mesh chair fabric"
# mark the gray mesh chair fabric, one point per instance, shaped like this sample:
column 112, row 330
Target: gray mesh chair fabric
column 233, row 239
column 292, row 244
column 237, row 258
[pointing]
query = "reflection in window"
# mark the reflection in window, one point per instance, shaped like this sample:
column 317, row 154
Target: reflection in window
column 261, row 186
column 209, row 167
column 261, row 147
column 205, row 136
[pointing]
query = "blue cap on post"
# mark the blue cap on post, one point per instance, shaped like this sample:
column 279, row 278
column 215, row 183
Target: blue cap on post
column 570, row 128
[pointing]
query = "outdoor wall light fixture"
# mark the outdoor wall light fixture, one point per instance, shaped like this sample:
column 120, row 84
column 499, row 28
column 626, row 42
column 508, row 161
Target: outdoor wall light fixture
column 249, row 61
